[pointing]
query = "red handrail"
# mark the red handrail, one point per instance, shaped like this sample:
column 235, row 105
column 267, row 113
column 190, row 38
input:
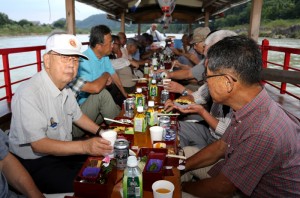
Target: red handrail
column 265, row 48
column 6, row 68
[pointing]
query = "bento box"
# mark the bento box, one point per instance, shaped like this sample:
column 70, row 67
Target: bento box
column 94, row 179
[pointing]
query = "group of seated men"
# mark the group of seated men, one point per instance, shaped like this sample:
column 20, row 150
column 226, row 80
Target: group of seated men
column 244, row 144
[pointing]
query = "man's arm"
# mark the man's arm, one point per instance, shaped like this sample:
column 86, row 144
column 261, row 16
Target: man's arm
column 117, row 81
column 218, row 186
column 192, row 57
column 180, row 74
column 87, row 124
column 199, row 109
column 207, row 156
column 94, row 146
column 97, row 85
column 18, row 177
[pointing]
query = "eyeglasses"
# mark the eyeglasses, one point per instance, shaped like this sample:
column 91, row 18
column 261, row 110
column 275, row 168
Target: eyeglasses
column 205, row 76
column 108, row 43
column 67, row 59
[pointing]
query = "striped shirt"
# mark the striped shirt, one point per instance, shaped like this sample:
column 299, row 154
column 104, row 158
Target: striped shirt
column 263, row 155
column 200, row 97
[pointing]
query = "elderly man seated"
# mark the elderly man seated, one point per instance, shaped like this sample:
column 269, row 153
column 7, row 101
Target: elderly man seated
column 260, row 148
column 43, row 110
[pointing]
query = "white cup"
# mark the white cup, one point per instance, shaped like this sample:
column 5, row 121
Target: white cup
column 166, row 82
column 111, row 136
column 163, row 189
column 156, row 133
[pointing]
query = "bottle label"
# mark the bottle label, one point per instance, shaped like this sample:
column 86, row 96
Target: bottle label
column 133, row 187
column 146, row 70
column 140, row 124
column 152, row 118
column 153, row 91
column 140, row 101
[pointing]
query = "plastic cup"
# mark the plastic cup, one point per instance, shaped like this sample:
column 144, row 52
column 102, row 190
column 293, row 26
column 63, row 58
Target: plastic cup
column 156, row 133
column 111, row 136
column 166, row 81
column 163, row 189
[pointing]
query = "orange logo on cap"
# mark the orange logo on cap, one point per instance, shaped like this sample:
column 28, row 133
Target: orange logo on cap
column 73, row 43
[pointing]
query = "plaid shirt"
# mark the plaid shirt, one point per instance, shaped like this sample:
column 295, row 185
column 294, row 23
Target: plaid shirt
column 76, row 85
column 263, row 155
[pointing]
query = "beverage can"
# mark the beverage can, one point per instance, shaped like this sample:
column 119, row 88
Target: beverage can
column 165, row 122
column 170, row 135
column 129, row 107
column 121, row 150
column 164, row 96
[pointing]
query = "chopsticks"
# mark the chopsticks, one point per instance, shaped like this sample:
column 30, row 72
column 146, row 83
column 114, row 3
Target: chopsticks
column 176, row 156
column 168, row 114
column 137, row 79
column 116, row 121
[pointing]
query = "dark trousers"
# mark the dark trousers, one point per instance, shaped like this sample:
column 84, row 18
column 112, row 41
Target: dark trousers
column 116, row 94
column 54, row 174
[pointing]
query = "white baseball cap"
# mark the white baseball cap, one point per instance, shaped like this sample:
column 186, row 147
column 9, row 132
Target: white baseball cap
column 66, row 44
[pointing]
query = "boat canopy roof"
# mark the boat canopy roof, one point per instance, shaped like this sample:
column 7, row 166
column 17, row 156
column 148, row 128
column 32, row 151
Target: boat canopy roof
column 149, row 11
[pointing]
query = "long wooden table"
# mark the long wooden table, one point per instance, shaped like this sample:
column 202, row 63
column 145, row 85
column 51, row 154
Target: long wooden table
column 144, row 140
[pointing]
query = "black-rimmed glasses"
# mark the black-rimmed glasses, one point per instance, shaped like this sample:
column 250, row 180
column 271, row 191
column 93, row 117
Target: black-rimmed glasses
column 205, row 76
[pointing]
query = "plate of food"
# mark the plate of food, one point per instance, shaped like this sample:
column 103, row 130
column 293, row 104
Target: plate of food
column 182, row 103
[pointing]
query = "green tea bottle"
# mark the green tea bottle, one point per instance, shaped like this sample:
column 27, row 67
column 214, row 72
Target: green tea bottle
column 140, row 122
column 151, row 114
column 139, row 98
column 153, row 91
column 132, row 180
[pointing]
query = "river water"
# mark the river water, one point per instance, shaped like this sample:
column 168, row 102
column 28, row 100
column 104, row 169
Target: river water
column 26, row 41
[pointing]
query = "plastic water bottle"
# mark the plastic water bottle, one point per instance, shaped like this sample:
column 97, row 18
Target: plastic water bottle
column 132, row 180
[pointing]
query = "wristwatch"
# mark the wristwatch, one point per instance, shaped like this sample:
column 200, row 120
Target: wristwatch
column 184, row 93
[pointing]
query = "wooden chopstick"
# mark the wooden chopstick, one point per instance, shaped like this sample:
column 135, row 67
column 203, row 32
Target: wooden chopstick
column 176, row 156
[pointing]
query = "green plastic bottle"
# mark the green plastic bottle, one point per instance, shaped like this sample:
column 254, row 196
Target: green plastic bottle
column 151, row 114
column 139, row 98
column 132, row 180
column 140, row 122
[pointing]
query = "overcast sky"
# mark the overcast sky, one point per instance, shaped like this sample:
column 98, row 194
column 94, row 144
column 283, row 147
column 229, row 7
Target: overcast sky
column 45, row 11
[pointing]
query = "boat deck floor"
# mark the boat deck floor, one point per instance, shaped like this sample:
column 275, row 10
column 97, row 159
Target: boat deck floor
column 289, row 103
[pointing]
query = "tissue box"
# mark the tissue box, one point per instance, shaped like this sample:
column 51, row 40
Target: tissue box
column 94, row 180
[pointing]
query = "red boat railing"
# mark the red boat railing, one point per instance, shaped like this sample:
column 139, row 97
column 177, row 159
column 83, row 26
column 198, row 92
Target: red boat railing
column 4, row 53
column 286, row 65
column 265, row 47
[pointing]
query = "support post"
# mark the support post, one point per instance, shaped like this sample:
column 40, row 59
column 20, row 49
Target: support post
column 70, row 16
column 255, row 19
column 190, row 29
column 206, row 22
column 264, row 53
column 139, row 28
column 7, row 81
column 122, row 22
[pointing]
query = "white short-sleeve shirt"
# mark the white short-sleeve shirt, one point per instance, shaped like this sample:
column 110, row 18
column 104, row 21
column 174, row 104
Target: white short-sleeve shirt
column 39, row 110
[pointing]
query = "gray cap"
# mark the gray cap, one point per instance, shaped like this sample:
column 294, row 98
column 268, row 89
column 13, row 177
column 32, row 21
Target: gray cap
column 200, row 34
